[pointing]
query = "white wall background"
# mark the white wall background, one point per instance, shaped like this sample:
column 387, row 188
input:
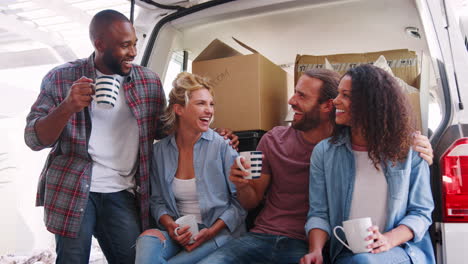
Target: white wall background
column 22, row 228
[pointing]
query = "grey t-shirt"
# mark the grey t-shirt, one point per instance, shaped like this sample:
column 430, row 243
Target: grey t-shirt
column 287, row 161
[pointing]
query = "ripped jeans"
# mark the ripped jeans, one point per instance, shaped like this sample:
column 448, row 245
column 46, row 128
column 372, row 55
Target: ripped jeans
column 150, row 249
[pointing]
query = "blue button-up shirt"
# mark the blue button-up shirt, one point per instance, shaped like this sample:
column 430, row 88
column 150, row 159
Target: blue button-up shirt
column 409, row 201
column 213, row 157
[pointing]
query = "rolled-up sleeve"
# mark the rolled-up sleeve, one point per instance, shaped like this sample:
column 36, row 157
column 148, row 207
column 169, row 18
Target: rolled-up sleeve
column 45, row 103
column 234, row 215
column 317, row 216
column 420, row 202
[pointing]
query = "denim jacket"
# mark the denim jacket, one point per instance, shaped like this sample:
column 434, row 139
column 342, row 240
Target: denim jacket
column 212, row 160
column 409, row 201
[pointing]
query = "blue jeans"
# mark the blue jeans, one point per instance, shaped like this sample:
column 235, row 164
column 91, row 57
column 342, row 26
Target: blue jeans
column 151, row 250
column 259, row 248
column 396, row 255
column 114, row 220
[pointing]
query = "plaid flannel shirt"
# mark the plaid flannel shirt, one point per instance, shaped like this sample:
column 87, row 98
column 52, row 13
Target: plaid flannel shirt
column 65, row 180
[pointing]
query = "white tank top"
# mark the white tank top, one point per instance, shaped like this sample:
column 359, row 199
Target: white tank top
column 370, row 191
column 185, row 193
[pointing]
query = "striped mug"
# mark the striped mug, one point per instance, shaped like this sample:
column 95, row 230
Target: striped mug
column 254, row 159
column 106, row 91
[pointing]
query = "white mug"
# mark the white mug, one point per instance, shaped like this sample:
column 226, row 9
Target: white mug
column 356, row 230
column 188, row 220
column 106, row 91
column 254, row 159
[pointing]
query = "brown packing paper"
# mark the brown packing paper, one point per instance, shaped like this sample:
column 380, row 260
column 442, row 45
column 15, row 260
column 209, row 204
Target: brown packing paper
column 250, row 90
column 413, row 98
column 402, row 62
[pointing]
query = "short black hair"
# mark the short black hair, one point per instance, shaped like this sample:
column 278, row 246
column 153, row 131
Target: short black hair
column 102, row 20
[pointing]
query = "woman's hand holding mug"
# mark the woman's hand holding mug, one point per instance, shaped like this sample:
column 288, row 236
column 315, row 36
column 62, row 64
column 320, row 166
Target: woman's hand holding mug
column 204, row 235
column 180, row 234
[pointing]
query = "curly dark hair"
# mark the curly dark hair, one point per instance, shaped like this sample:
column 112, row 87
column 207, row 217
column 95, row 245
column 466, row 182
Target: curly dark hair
column 382, row 110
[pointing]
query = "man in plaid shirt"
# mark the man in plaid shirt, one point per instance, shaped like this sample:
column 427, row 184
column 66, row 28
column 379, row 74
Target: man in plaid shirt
column 95, row 180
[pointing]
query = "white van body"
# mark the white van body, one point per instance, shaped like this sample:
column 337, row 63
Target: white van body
column 281, row 29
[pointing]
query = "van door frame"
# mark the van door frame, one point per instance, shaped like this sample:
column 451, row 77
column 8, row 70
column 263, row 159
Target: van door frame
column 173, row 16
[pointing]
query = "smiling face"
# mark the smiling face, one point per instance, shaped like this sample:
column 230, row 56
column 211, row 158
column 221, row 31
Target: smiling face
column 343, row 102
column 116, row 49
column 198, row 112
column 305, row 104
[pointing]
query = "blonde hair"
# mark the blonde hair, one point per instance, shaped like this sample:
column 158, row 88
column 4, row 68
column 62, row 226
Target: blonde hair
column 182, row 87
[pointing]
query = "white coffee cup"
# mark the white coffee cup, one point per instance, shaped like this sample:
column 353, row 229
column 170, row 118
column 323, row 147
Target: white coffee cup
column 356, row 230
column 254, row 159
column 188, row 220
column 106, row 91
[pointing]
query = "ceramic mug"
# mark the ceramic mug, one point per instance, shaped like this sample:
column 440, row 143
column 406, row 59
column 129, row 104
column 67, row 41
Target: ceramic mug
column 188, row 220
column 106, row 91
column 254, row 159
column 356, row 230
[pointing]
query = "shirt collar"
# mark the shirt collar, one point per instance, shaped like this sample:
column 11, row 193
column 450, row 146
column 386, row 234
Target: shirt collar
column 90, row 69
column 208, row 135
column 345, row 139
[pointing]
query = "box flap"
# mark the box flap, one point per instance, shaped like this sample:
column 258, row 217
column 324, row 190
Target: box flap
column 217, row 50
column 245, row 46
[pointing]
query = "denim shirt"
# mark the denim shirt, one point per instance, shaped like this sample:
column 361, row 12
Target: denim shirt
column 409, row 201
column 212, row 160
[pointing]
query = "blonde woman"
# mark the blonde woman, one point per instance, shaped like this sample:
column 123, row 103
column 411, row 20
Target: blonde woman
column 190, row 172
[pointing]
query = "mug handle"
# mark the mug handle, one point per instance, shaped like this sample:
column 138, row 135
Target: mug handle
column 339, row 239
column 94, row 89
column 239, row 164
column 175, row 231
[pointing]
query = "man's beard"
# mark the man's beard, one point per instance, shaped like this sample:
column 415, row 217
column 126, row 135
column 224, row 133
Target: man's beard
column 113, row 64
column 310, row 120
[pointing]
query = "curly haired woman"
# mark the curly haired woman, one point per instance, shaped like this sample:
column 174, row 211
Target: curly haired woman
column 368, row 169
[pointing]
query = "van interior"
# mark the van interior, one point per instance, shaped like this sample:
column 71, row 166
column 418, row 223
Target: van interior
column 281, row 31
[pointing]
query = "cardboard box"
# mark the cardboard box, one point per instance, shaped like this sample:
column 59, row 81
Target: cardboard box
column 404, row 64
column 250, row 90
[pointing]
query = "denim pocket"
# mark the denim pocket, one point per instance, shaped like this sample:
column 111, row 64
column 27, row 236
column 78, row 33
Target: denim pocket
column 395, row 181
column 215, row 177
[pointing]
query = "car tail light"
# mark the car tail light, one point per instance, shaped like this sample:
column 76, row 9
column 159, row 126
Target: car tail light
column 454, row 168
